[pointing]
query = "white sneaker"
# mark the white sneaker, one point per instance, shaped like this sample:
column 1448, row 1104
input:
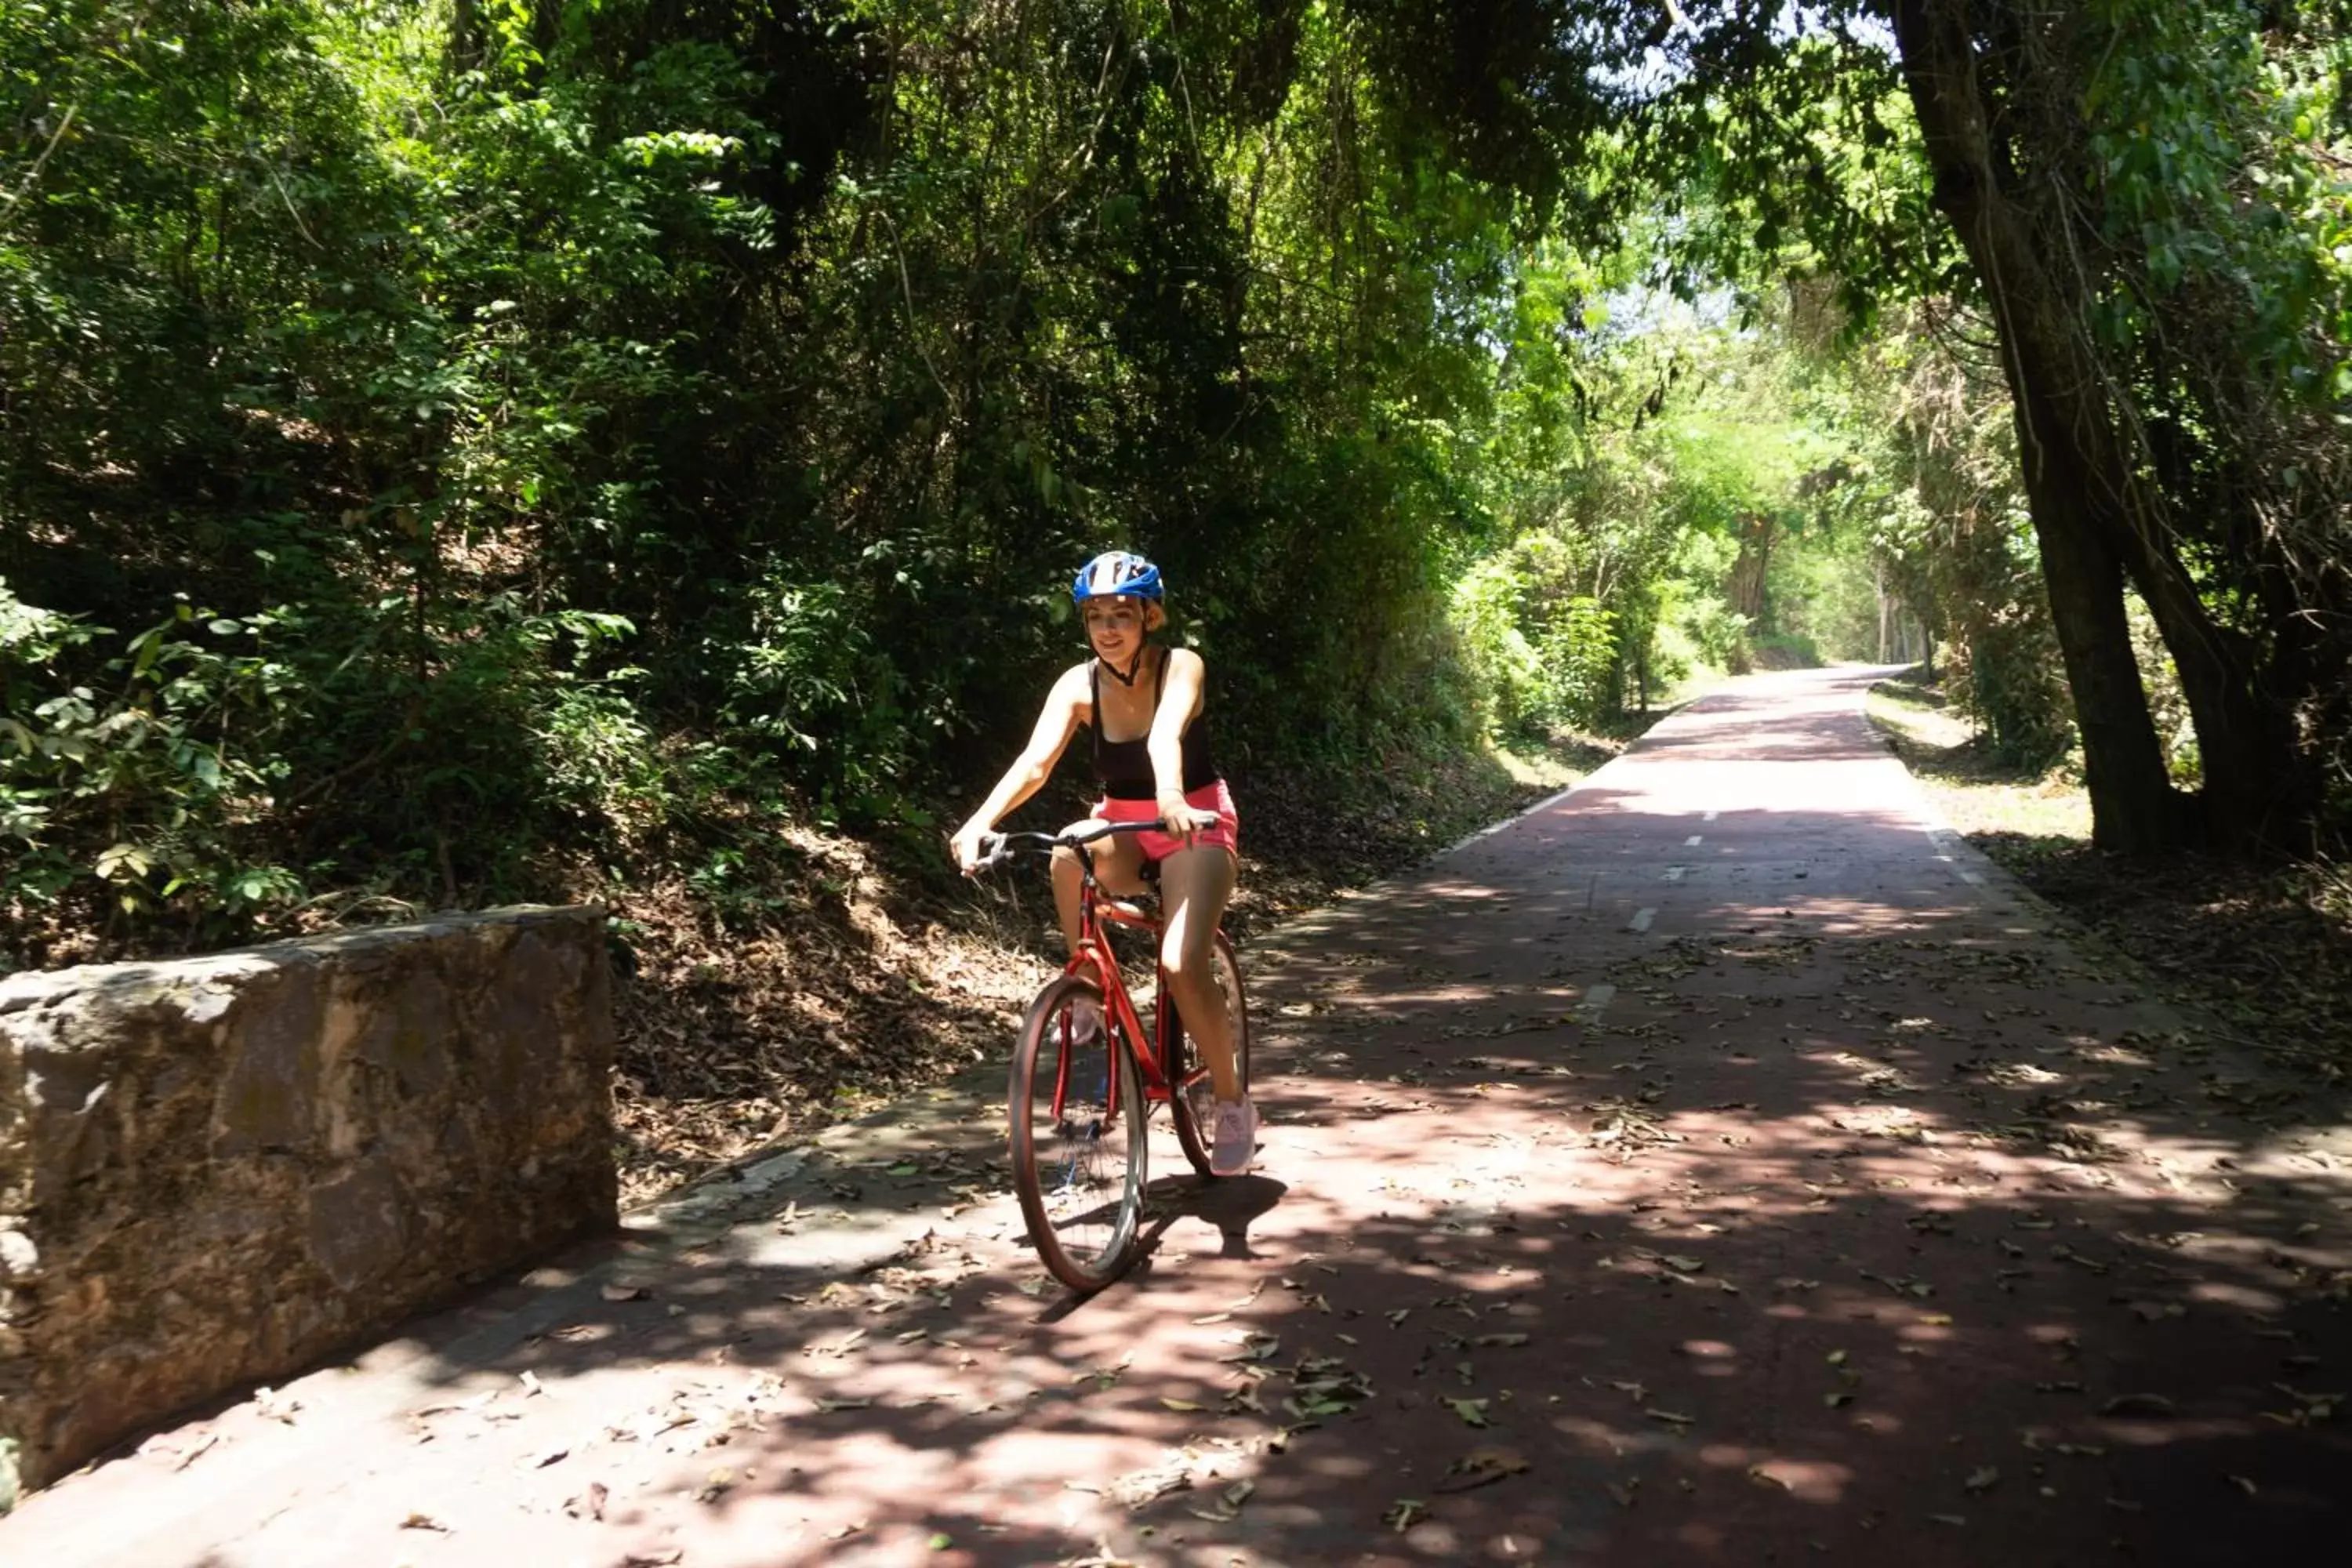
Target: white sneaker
column 1236, row 1138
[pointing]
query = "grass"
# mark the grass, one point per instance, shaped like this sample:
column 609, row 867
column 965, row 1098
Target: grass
column 1975, row 792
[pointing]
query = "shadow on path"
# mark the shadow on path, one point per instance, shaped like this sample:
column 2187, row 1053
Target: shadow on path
column 1718, row 1167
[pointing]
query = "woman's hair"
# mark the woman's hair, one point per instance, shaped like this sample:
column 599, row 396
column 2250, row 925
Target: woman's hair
column 1155, row 611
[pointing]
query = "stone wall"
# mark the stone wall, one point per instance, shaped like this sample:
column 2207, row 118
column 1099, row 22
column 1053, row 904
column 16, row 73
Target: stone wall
column 216, row 1170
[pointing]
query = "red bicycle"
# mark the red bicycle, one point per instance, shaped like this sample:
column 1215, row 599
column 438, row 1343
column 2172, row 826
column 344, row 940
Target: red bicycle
column 1086, row 1076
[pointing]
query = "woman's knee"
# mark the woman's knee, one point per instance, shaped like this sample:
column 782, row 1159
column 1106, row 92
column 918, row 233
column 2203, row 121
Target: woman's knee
column 1065, row 859
column 1183, row 956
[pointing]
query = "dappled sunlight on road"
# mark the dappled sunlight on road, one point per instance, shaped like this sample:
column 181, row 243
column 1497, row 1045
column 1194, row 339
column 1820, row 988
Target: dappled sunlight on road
column 1792, row 1193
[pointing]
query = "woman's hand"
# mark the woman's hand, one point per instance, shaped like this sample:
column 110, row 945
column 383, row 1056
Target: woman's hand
column 1181, row 818
column 967, row 848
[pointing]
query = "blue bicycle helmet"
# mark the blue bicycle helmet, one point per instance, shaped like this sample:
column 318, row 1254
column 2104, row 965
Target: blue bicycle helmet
column 1113, row 572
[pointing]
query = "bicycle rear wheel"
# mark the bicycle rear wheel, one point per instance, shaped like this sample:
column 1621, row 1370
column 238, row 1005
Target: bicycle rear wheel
column 1194, row 1104
column 1079, row 1140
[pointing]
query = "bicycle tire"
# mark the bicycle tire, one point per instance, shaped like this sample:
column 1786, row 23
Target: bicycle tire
column 1080, row 1183
column 1191, row 1100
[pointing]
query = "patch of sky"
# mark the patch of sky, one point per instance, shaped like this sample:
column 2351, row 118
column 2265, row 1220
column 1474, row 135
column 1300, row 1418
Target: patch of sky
column 1662, row 67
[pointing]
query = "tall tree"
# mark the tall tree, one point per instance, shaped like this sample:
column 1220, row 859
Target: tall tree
column 2120, row 179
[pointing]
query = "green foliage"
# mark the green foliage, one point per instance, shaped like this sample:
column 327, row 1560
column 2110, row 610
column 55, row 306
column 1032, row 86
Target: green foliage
column 1487, row 611
column 610, row 424
column 168, row 746
column 555, row 442
column 1950, row 538
column 1543, row 653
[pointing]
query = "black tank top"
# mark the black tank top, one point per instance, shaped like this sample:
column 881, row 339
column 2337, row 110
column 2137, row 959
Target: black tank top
column 1125, row 766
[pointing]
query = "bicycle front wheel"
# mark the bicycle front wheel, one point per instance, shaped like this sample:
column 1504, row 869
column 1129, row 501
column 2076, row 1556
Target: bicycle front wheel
column 1077, row 1116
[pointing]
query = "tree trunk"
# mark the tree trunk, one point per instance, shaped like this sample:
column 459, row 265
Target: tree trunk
column 2066, row 439
column 1885, row 648
column 1745, row 592
column 2133, row 808
column 2262, row 791
column 465, row 46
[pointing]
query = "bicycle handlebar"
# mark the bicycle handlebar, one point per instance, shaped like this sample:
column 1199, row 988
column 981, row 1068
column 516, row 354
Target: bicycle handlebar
column 1004, row 846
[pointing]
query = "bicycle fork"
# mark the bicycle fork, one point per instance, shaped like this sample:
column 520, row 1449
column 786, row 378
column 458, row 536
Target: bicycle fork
column 1085, row 1069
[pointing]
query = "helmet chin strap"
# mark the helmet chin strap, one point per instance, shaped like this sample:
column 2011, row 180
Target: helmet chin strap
column 1127, row 676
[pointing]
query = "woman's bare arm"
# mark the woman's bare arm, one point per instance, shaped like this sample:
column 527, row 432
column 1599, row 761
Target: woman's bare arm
column 1067, row 707
column 1179, row 701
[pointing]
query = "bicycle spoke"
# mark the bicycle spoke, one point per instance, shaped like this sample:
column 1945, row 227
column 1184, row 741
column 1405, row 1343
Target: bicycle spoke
column 1078, row 1155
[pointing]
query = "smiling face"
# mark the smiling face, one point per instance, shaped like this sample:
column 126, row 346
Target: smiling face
column 1117, row 623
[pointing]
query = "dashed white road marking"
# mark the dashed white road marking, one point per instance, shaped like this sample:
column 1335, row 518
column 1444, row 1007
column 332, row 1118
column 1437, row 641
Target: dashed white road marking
column 1642, row 919
column 1709, row 817
column 1675, row 873
column 1595, row 999
column 1968, row 875
column 1693, row 841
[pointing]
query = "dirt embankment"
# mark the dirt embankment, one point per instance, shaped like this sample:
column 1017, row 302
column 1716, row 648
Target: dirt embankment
column 832, row 973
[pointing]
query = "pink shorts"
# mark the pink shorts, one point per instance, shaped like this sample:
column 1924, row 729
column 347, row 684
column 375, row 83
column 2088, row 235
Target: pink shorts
column 1214, row 797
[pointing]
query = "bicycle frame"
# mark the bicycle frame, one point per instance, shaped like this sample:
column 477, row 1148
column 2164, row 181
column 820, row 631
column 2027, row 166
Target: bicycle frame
column 1095, row 957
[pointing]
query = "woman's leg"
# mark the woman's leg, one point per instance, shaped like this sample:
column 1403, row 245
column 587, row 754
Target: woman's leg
column 1119, row 865
column 1194, row 885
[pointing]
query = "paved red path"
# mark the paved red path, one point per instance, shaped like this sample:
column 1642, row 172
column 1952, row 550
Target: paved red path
column 1716, row 1166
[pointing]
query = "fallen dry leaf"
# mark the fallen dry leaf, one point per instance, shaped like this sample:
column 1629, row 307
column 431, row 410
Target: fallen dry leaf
column 1404, row 1514
column 1225, row 1506
column 1482, row 1466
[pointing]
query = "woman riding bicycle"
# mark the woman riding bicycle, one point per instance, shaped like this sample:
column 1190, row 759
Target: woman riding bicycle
column 1160, row 770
